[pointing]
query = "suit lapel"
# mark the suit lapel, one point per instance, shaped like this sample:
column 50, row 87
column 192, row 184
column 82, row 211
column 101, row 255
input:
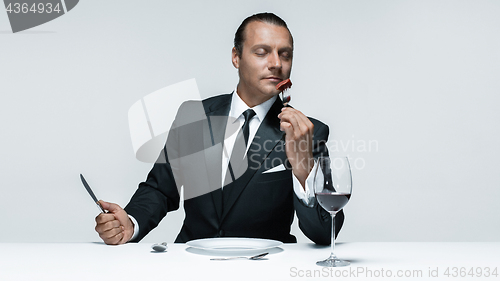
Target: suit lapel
column 267, row 137
column 213, row 135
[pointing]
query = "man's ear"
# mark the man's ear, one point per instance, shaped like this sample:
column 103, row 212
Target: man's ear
column 235, row 58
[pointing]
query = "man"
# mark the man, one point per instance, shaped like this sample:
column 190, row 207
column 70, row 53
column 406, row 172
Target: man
column 258, row 200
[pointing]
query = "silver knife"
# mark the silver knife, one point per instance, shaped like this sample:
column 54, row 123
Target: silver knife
column 87, row 187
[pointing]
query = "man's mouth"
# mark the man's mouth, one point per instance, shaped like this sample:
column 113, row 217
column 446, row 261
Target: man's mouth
column 274, row 79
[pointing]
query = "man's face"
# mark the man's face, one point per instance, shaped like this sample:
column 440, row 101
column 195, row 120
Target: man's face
column 266, row 60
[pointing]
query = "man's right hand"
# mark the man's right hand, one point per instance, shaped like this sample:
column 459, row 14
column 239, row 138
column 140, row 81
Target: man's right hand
column 114, row 227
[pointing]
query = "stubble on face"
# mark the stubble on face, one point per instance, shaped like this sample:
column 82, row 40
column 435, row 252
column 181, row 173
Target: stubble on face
column 266, row 60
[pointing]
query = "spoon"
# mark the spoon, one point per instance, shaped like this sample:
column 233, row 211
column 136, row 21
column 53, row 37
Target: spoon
column 160, row 247
column 257, row 257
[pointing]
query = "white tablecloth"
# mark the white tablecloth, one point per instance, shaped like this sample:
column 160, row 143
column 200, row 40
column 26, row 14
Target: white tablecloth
column 370, row 261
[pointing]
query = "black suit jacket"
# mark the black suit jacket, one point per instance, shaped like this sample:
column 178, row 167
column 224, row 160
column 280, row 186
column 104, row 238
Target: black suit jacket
column 256, row 205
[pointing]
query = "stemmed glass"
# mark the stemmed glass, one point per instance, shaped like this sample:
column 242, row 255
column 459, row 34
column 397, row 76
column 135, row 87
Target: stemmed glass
column 332, row 187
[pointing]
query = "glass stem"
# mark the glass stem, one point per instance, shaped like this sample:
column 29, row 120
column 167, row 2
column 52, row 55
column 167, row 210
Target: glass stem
column 332, row 255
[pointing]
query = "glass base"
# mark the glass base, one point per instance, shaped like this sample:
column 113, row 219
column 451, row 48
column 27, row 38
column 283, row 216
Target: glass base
column 333, row 262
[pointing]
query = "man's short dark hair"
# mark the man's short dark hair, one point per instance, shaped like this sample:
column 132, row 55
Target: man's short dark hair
column 270, row 18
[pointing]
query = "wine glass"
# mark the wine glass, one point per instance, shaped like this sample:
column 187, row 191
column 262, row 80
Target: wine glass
column 332, row 187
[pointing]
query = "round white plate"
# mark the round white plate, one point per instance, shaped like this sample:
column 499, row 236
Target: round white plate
column 226, row 244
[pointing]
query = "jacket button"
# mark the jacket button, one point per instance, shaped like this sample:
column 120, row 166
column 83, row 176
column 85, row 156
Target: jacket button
column 221, row 233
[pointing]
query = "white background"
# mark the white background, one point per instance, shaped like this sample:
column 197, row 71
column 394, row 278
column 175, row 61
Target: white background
column 420, row 79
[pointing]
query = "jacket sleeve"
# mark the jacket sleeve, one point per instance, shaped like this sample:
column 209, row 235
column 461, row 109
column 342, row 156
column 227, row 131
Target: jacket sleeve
column 154, row 197
column 314, row 221
column 159, row 194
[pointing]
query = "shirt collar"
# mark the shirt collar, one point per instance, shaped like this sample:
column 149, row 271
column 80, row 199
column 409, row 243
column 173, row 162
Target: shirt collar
column 238, row 106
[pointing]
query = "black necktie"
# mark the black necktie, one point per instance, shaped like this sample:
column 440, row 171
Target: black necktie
column 239, row 150
column 248, row 114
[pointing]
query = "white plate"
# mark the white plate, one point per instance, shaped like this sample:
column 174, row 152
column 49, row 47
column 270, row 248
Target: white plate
column 226, row 244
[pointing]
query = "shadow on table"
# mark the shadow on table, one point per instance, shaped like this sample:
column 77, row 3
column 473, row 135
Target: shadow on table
column 316, row 246
column 232, row 253
column 351, row 260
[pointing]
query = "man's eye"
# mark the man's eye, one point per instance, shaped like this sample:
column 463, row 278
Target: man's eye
column 286, row 55
column 260, row 52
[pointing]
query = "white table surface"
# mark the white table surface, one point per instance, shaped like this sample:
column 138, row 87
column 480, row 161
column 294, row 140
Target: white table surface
column 96, row 261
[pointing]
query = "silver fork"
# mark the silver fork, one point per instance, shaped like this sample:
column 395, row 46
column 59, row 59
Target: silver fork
column 257, row 257
column 286, row 97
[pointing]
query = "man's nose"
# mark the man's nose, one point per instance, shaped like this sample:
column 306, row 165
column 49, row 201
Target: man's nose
column 274, row 61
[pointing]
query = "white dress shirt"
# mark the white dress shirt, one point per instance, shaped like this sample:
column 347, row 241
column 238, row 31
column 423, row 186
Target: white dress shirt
column 238, row 106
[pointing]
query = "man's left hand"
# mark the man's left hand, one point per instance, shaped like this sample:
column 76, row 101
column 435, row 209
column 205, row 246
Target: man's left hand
column 298, row 141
